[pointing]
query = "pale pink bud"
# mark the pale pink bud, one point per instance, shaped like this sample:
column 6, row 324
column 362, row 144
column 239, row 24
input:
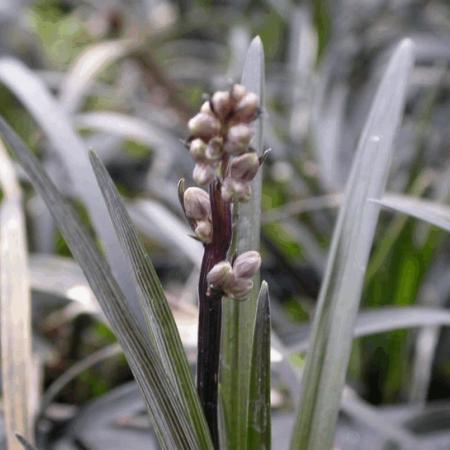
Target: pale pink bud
column 203, row 173
column 227, row 190
column 247, row 108
column 247, row 264
column 235, row 190
column 204, row 125
column 238, row 139
column 214, row 149
column 221, row 104
column 219, row 275
column 240, row 288
column 206, row 108
column 196, row 204
column 204, row 231
column 197, row 149
column 237, row 92
column 244, row 168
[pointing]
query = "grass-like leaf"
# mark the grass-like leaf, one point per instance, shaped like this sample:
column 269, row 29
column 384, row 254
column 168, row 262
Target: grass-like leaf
column 238, row 317
column 84, row 70
column 15, row 310
column 433, row 213
column 383, row 320
column 329, row 352
column 172, row 426
column 23, row 443
column 160, row 319
column 259, row 413
column 73, row 155
column 72, row 372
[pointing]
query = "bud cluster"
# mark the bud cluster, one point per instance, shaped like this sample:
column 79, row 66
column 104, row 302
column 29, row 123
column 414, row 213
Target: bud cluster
column 235, row 280
column 220, row 142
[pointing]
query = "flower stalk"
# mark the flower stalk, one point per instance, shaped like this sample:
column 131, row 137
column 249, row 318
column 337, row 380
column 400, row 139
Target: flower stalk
column 225, row 163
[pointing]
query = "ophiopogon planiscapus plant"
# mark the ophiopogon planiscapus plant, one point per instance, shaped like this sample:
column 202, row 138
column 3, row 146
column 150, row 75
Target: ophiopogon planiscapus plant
column 225, row 164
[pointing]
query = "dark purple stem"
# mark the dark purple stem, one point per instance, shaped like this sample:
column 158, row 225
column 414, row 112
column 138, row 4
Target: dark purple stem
column 210, row 312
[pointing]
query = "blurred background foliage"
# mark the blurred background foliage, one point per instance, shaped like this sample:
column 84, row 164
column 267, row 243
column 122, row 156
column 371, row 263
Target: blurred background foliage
column 130, row 73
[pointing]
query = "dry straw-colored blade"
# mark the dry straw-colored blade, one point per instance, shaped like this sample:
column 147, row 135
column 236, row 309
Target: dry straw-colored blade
column 15, row 310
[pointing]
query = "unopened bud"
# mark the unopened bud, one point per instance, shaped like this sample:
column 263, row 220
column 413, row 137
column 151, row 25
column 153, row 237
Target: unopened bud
column 196, row 204
column 214, row 149
column 237, row 93
column 247, row 264
column 197, row 149
column 235, row 190
column 204, row 125
column 244, row 168
column 203, row 174
column 240, row 288
column 247, row 108
column 221, row 104
column 220, row 275
column 206, row 108
column 204, row 231
column 238, row 139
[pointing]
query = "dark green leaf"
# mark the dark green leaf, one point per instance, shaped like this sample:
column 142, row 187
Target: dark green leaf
column 329, row 351
column 173, row 428
column 239, row 317
column 259, row 413
column 159, row 316
column 434, row 213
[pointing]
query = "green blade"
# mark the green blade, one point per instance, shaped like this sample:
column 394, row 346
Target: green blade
column 431, row 212
column 329, row 351
column 173, row 428
column 259, row 413
column 239, row 317
column 73, row 155
column 163, row 327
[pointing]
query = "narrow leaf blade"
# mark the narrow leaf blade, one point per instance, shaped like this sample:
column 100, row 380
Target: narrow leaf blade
column 329, row 352
column 15, row 310
column 160, row 318
column 239, row 317
column 23, row 443
column 259, row 417
column 383, row 320
column 73, row 154
column 433, row 213
column 172, row 426
column 88, row 64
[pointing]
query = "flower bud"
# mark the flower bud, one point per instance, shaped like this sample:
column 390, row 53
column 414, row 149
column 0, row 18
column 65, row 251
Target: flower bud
column 204, row 125
column 237, row 93
column 240, row 288
column 235, row 190
column 247, row 264
column 206, row 108
column 221, row 104
column 196, row 204
column 204, row 231
column 214, row 149
column 244, row 168
column 238, row 139
column 247, row 108
column 203, row 174
column 197, row 149
column 220, row 275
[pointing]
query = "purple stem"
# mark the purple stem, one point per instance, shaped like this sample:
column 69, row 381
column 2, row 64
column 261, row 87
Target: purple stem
column 210, row 311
